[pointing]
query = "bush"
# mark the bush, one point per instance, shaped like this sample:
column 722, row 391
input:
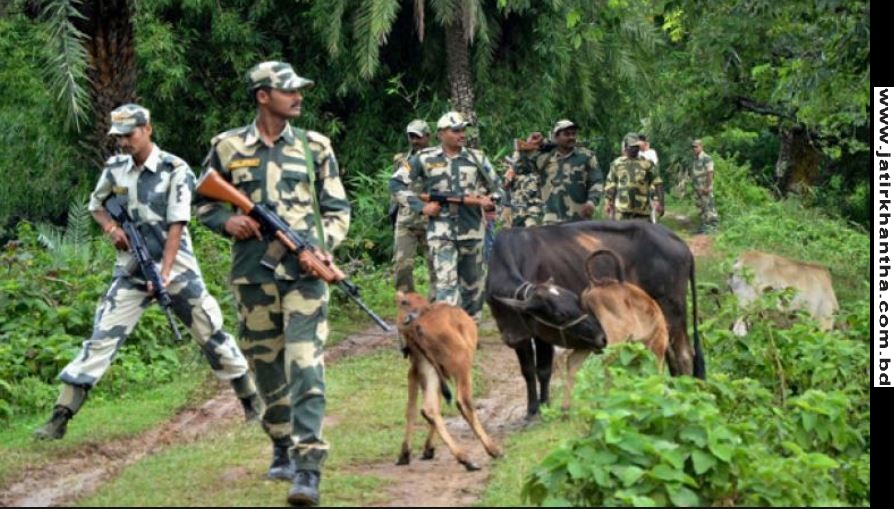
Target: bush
column 655, row 440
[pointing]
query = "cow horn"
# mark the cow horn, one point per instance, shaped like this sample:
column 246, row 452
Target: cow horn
column 513, row 303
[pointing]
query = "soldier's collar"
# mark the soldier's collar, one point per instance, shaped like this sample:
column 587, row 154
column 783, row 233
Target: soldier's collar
column 558, row 154
column 252, row 136
column 151, row 162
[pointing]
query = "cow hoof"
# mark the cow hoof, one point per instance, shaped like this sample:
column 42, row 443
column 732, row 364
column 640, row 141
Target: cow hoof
column 471, row 466
column 496, row 452
column 428, row 454
column 403, row 459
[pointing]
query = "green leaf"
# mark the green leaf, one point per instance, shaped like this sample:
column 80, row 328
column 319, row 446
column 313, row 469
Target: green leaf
column 682, row 496
column 666, row 473
column 628, row 475
column 702, row 462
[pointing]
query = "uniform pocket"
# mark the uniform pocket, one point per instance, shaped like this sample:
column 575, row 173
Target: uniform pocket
column 294, row 187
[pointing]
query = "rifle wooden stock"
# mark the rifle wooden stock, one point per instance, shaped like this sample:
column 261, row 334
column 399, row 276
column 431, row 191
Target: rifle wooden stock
column 469, row 200
column 526, row 146
column 213, row 186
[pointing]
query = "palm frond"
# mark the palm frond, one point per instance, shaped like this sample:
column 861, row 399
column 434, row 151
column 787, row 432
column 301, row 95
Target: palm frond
column 67, row 68
column 372, row 24
column 446, row 11
column 77, row 231
column 327, row 17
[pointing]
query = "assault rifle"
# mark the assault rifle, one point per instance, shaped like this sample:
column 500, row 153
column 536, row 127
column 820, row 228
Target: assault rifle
column 213, row 186
column 141, row 255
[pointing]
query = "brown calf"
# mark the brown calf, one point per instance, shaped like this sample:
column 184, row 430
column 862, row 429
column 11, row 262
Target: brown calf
column 441, row 340
column 625, row 312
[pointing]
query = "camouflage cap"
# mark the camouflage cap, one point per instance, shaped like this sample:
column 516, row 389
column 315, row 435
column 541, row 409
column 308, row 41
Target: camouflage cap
column 278, row 75
column 561, row 125
column 697, row 142
column 418, row 127
column 126, row 117
column 452, row 120
column 631, row 140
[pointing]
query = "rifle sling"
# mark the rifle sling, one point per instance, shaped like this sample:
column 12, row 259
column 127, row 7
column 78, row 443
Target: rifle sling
column 311, row 175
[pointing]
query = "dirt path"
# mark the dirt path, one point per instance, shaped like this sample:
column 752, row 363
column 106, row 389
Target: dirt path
column 442, row 482
column 79, row 473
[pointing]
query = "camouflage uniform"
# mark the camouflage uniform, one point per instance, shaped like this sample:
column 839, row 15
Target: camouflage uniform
column 632, row 183
column 156, row 195
column 409, row 234
column 556, row 186
column 455, row 236
column 283, row 312
column 704, row 195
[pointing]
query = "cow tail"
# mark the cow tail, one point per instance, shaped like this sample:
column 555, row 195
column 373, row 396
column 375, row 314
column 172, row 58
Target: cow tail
column 699, row 360
column 442, row 379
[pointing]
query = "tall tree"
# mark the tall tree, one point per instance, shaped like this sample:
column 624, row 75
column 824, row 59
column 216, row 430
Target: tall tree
column 804, row 66
column 94, row 47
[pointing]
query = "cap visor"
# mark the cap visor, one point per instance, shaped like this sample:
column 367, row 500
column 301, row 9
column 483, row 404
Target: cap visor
column 120, row 129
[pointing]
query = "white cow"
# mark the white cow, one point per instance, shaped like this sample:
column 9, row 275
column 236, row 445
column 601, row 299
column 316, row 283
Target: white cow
column 811, row 282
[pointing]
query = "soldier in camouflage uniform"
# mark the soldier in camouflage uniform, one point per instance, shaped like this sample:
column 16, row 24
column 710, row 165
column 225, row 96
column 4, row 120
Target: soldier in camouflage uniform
column 633, row 186
column 561, row 181
column 455, row 232
column 703, row 184
column 155, row 187
column 523, row 188
column 283, row 324
column 409, row 230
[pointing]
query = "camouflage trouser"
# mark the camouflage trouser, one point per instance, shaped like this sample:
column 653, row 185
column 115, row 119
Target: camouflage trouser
column 705, row 202
column 407, row 241
column 459, row 266
column 117, row 315
column 283, row 329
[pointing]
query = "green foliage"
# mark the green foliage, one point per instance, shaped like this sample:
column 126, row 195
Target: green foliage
column 48, row 297
column 39, row 160
column 653, row 440
column 67, row 68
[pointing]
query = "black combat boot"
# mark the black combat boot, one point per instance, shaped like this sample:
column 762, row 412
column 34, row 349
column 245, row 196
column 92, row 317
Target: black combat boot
column 282, row 467
column 55, row 428
column 305, row 490
column 252, row 406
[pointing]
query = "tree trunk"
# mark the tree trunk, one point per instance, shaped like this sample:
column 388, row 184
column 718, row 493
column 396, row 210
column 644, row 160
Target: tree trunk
column 798, row 163
column 112, row 67
column 459, row 75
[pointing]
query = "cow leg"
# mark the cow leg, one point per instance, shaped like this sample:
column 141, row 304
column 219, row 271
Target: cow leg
column 412, row 399
column 428, row 451
column 545, row 354
column 573, row 363
column 525, row 353
column 464, row 404
column 431, row 411
column 679, row 353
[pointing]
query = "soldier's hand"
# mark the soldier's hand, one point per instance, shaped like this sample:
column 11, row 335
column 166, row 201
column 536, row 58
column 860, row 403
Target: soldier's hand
column 608, row 210
column 119, row 238
column 243, row 227
column 659, row 209
column 586, row 210
column 431, row 208
column 323, row 256
column 535, row 137
column 508, row 176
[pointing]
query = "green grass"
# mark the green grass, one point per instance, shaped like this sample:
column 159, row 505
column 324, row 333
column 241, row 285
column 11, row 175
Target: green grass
column 99, row 421
column 366, row 398
column 523, row 450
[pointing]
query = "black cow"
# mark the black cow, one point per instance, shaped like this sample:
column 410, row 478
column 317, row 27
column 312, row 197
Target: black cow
column 535, row 277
